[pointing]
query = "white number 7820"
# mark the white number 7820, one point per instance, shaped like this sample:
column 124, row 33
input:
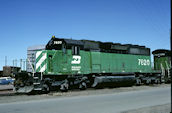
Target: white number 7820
column 143, row 62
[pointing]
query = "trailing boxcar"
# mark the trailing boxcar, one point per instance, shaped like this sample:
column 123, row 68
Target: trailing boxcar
column 68, row 63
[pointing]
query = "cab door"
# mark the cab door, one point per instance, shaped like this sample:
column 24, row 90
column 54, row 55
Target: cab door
column 64, row 59
column 50, row 63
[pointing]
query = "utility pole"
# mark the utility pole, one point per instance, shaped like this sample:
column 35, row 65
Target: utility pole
column 21, row 64
column 24, row 63
column 16, row 62
column 13, row 62
column 5, row 60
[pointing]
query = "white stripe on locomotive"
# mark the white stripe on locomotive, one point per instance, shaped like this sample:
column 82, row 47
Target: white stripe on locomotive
column 39, row 63
column 38, row 54
column 43, row 68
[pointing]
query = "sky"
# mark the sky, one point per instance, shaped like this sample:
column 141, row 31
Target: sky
column 25, row 23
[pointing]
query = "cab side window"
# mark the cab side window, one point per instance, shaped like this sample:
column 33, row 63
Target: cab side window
column 64, row 48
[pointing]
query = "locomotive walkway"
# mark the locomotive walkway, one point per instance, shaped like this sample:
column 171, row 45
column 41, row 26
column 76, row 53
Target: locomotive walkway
column 105, row 103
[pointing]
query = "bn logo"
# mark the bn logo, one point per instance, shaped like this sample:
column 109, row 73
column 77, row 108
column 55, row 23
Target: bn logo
column 76, row 60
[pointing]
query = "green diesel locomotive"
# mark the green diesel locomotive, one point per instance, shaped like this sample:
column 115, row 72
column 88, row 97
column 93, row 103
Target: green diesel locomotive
column 162, row 61
column 68, row 63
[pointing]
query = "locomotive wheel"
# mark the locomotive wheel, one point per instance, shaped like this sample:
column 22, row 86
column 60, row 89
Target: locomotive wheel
column 148, row 81
column 138, row 82
column 64, row 86
column 157, row 81
column 45, row 88
column 82, row 86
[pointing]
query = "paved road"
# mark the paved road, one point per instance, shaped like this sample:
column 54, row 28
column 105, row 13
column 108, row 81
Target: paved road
column 106, row 103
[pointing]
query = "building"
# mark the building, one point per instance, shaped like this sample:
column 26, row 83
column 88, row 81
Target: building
column 10, row 71
column 1, row 73
column 31, row 55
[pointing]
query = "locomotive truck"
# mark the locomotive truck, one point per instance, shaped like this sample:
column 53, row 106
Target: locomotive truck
column 68, row 63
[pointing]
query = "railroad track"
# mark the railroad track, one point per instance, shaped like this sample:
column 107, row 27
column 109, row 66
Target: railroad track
column 6, row 90
column 6, row 87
